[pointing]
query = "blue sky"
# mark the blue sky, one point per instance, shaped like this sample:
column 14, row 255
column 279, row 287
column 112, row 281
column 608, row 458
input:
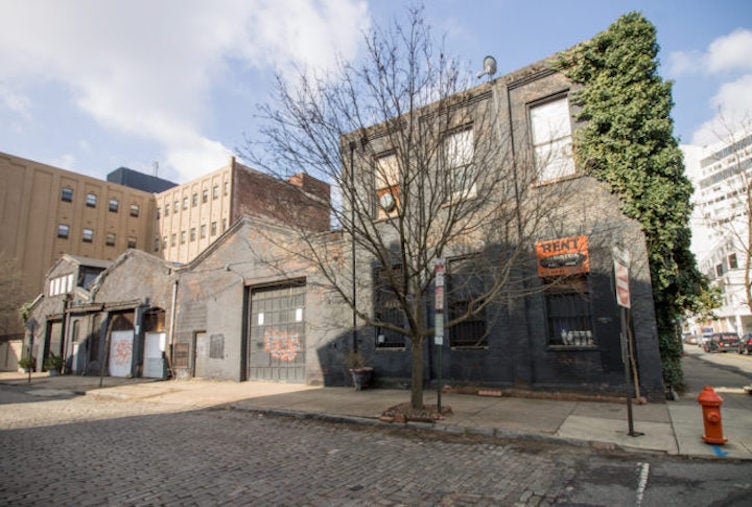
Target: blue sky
column 91, row 85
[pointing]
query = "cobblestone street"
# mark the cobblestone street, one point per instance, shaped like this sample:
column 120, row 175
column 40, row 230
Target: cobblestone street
column 85, row 451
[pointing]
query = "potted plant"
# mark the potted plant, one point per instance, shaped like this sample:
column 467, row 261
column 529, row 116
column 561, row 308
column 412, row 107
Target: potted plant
column 26, row 363
column 53, row 363
column 362, row 375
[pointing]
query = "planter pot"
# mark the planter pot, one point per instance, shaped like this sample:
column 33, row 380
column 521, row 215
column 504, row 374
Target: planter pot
column 362, row 377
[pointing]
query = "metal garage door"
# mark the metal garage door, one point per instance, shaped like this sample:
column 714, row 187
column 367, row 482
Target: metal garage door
column 277, row 343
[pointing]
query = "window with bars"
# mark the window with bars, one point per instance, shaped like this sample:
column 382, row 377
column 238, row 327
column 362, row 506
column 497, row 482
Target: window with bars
column 389, row 310
column 568, row 312
column 464, row 288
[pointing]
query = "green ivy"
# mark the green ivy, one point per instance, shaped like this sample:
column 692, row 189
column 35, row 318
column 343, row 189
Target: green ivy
column 628, row 142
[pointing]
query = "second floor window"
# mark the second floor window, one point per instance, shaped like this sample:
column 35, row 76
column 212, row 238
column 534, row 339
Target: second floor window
column 131, row 242
column 552, row 139
column 458, row 152
column 387, row 185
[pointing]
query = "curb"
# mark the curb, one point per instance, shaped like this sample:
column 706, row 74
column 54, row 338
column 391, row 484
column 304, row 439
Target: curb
column 495, row 433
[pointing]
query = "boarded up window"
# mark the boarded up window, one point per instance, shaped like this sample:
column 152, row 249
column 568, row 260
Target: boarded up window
column 217, row 346
column 181, row 351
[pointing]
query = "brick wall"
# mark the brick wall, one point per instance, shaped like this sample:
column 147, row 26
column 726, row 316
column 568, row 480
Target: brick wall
column 301, row 202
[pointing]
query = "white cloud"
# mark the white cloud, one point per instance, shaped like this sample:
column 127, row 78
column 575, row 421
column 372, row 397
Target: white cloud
column 733, row 107
column 726, row 60
column 728, row 53
column 731, row 52
column 146, row 68
column 16, row 103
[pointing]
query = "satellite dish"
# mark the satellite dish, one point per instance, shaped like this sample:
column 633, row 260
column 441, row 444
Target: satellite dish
column 489, row 67
column 387, row 202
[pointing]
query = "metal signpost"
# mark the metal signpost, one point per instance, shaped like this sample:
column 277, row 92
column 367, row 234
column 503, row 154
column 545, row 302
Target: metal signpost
column 621, row 279
column 438, row 339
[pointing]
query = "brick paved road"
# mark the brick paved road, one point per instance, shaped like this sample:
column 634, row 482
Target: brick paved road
column 84, row 451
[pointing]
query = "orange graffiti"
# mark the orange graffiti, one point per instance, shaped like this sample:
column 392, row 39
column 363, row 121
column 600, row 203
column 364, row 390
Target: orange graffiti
column 281, row 345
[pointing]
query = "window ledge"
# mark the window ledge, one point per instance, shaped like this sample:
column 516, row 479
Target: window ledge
column 573, row 176
column 556, row 348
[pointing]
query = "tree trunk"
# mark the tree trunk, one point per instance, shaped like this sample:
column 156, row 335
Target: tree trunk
column 416, row 387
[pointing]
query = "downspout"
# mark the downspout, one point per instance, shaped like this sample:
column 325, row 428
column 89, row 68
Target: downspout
column 352, row 230
column 172, row 324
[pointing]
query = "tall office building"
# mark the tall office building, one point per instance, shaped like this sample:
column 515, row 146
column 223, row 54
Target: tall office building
column 721, row 174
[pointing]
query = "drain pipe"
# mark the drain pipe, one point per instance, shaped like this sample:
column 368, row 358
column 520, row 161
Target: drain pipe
column 172, row 324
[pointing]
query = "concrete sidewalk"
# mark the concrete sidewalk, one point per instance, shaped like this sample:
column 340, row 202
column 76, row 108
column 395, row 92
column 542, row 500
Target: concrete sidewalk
column 673, row 428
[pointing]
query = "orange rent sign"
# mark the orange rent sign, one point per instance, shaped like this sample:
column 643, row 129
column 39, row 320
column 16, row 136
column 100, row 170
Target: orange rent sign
column 563, row 256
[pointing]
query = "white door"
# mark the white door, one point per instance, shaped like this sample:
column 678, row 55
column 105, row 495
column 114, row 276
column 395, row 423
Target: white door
column 154, row 344
column 121, row 353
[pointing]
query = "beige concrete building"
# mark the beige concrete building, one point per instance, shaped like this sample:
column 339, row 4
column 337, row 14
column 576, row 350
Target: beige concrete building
column 46, row 212
column 191, row 216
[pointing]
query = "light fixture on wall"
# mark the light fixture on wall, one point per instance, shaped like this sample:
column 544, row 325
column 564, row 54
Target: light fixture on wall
column 489, row 67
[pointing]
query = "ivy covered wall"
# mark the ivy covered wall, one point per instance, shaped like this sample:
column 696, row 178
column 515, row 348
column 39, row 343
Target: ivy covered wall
column 628, row 143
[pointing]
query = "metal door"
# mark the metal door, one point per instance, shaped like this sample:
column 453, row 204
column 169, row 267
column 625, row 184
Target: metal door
column 121, row 353
column 154, row 346
column 201, row 354
column 277, row 341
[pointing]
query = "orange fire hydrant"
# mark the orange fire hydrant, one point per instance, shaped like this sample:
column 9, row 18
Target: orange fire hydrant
column 711, row 416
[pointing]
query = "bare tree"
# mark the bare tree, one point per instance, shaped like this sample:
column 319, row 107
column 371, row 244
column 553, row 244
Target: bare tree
column 422, row 170
column 12, row 298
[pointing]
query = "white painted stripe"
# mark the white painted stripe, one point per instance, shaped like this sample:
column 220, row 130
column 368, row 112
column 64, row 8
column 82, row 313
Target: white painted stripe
column 644, row 472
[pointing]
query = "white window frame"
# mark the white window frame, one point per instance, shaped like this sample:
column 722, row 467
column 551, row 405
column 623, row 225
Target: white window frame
column 551, row 131
column 458, row 150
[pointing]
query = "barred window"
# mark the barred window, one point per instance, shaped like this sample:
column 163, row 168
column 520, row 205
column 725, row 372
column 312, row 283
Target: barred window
column 568, row 312
column 464, row 290
column 388, row 310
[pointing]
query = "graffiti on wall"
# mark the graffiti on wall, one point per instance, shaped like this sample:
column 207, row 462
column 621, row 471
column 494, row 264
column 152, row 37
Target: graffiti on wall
column 282, row 345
